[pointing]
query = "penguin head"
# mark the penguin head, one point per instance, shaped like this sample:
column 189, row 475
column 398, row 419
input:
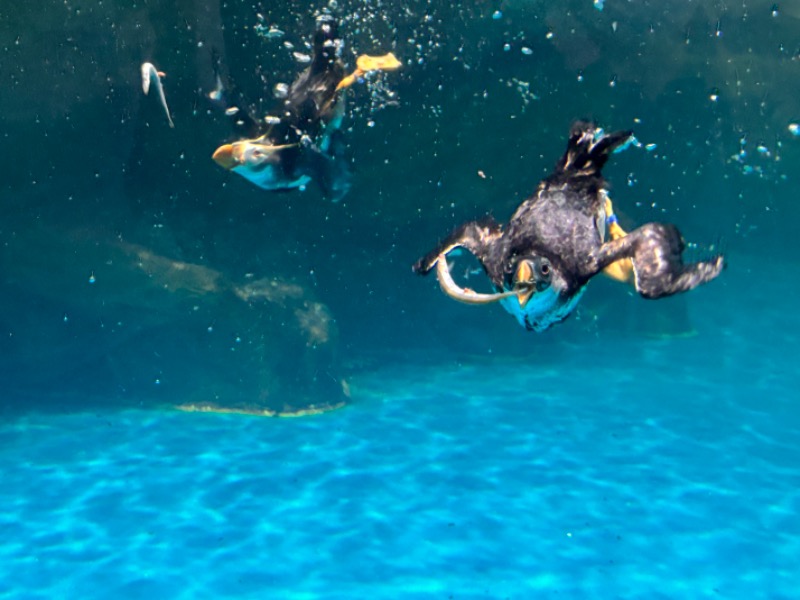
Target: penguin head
column 543, row 295
column 530, row 275
column 260, row 162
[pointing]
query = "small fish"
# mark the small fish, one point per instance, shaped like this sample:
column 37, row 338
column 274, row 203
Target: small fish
column 151, row 76
column 219, row 90
column 465, row 295
column 301, row 58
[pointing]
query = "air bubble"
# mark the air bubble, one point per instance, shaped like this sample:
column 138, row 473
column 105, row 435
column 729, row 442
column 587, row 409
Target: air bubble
column 281, row 90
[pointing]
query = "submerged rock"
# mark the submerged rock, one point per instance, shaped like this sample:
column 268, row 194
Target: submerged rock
column 148, row 329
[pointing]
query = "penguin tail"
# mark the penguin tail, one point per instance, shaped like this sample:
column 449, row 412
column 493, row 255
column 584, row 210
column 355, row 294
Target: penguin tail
column 588, row 150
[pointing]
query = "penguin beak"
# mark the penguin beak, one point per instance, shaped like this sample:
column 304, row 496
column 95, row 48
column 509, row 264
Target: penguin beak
column 233, row 155
column 524, row 280
column 227, row 157
column 523, row 296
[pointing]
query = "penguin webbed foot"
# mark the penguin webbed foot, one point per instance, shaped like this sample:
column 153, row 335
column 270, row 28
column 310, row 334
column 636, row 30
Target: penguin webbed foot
column 588, row 149
column 656, row 251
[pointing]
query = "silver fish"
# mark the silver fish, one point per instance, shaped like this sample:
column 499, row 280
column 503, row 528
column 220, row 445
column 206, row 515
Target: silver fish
column 456, row 292
column 301, row 58
column 151, row 76
column 218, row 92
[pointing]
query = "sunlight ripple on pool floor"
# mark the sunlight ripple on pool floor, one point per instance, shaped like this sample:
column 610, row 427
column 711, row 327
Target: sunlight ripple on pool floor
column 481, row 491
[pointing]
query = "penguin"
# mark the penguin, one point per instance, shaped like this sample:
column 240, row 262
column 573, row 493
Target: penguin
column 304, row 142
column 541, row 261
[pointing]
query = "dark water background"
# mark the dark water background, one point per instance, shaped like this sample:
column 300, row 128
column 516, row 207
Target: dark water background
column 93, row 178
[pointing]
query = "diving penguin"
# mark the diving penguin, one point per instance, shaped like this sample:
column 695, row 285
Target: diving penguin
column 541, row 261
column 304, row 142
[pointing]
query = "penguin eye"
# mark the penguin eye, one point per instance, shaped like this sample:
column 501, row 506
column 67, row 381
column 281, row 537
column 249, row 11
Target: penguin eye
column 545, row 268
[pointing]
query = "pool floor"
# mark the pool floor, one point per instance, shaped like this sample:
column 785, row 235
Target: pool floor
column 473, row 481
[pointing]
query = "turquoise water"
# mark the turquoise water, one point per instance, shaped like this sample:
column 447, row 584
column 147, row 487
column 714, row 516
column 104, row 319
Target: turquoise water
column 485, row 481
column 638, row 450
column 620, row 469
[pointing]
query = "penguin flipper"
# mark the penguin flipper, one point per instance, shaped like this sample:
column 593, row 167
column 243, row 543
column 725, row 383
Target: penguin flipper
column 658, row 268
column 475, row 236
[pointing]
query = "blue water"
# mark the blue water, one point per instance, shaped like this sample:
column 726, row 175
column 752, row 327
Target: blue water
column 638, row 450
column 482, row 479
